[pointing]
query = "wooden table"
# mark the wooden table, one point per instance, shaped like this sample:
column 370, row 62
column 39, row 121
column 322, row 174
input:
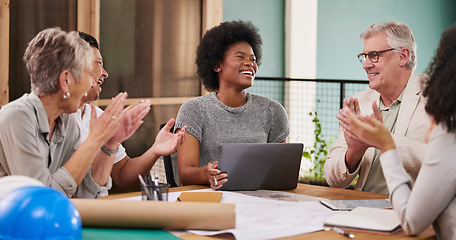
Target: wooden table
column 316, row 191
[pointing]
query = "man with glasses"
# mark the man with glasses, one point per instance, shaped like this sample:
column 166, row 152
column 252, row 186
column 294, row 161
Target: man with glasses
column 394, row 98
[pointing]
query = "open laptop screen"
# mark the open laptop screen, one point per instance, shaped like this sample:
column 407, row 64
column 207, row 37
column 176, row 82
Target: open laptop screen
column 253, row 166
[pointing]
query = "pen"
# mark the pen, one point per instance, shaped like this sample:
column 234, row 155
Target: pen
column 146, row 190
column 340, row 231
column 157, row 187
column 148, row 179
column 215, row 179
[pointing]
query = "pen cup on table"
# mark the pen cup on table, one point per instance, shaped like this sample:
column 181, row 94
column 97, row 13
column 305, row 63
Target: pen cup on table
column 155, row 192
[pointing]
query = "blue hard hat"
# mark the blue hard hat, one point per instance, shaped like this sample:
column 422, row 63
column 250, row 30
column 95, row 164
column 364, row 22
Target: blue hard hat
column 36, row 212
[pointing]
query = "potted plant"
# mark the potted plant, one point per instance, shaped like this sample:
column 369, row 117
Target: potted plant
column 317, row 155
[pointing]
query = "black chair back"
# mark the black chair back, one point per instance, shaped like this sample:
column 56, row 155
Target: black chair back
column 167, row 160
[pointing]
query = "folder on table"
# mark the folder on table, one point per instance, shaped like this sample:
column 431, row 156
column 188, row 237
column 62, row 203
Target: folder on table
column 200, row 197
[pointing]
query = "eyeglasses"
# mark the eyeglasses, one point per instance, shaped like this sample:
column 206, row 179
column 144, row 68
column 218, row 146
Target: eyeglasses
column 373, row 55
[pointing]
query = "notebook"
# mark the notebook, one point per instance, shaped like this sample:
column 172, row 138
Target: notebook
column 373, row 220
column 253, row 166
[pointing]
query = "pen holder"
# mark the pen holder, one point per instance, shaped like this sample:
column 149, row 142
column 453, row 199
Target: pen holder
column 154, row 192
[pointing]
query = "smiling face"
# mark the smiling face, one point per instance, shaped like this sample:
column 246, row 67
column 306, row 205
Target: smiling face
column 381, row 74
column 238, row 68
column 99, row 74
column 78, row 89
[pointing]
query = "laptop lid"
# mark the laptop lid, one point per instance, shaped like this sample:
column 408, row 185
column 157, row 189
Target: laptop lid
column 253, row 166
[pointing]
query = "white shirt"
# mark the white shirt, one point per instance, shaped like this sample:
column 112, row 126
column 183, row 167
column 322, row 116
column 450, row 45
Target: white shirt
column 84, row 125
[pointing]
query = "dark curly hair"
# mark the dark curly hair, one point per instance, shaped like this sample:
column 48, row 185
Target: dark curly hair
column 439, row 90
column 216, row 41
column 90, row 39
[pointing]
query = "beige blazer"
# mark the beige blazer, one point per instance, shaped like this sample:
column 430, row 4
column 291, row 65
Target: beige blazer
column 412, row 123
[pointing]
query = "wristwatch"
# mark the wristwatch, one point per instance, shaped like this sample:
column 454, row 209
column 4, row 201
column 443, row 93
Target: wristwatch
column 109, row 151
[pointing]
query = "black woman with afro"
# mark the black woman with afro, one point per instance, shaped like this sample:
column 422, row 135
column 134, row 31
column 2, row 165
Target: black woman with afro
column 227, row 60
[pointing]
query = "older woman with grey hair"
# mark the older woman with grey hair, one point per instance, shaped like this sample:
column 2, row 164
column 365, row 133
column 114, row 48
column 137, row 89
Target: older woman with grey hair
column 39, row 135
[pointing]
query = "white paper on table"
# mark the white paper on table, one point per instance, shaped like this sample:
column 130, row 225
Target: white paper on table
column 282, row 196
column 260, row 218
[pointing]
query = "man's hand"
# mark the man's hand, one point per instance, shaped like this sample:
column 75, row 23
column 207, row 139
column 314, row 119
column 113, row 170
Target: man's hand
column 353, row 142
column 376, row 112
column 167, row 142
column 355, row 147
column 372, row 131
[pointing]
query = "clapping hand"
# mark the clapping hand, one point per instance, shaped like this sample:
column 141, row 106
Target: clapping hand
column 370, row 130
column 103, row 127
column 131, row 120
column 353, row 142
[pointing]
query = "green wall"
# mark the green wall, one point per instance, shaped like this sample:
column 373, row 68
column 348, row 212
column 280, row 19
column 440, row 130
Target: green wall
column 340, row 22
column 269, row 17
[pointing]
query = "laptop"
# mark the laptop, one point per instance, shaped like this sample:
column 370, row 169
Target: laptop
column 254, row 166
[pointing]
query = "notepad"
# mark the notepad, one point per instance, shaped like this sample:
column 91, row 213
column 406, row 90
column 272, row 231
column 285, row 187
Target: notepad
column 200, row 196
column 347, row 205
column 373, row 220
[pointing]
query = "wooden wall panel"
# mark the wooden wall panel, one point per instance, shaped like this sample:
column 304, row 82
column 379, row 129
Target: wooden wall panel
column 89, row 17
column 4, row 50
column 212, row 16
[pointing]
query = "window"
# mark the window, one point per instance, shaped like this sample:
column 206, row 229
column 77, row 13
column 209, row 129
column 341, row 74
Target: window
column 149, row 50
column 27, row 18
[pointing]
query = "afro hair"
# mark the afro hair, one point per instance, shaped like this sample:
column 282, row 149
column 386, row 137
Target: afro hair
column 216, row 41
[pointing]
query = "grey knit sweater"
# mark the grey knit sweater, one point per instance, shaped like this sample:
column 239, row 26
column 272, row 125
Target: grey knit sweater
column 259, row 120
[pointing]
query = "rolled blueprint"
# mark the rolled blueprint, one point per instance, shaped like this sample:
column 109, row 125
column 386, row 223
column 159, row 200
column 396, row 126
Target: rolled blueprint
column 156, row 214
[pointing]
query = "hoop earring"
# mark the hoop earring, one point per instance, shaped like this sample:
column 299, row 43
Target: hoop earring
column 452, row 121
column 66, row 95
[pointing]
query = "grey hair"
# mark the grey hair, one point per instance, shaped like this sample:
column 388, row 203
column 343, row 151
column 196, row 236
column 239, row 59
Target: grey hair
column 51, row 52
column 398, row 35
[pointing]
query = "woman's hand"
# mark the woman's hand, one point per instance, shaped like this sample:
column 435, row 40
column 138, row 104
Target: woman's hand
column 103, row 128
column 370, row 130
column 215, row 178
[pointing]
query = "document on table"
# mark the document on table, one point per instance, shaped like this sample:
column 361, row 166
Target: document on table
column 259, row 218
column 282, row 196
